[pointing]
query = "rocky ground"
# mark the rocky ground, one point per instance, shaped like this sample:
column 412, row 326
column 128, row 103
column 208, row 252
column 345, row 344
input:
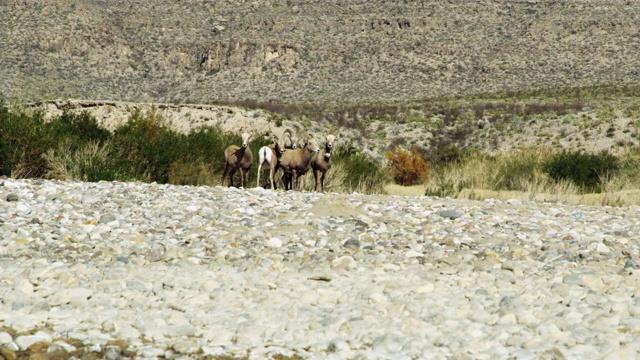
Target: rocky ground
column 113, row 270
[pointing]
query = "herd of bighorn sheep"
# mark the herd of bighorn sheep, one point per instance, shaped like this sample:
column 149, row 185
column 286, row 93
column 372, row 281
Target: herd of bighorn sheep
column 295, row 156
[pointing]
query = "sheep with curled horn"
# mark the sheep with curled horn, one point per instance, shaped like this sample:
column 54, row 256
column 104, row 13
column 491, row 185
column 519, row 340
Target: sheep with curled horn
column 269, row 157
column 238, row 158
column 296, row 162
column 291, row 140
column 321, row 163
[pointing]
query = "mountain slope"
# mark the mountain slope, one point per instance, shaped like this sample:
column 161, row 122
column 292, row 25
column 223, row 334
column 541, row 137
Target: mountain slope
column 308, row 51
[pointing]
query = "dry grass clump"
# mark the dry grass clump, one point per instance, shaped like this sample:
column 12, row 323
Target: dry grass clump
column 524, row 174
column 64, row 163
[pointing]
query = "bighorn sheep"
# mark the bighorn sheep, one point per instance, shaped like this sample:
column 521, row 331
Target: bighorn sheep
column 321, row 162
column 238, row 157
column 296, row 162
column 269, row 156
column 290, row 139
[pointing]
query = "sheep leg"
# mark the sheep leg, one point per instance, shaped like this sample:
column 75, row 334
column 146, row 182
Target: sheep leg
column 246, row 178
column 275, row 172
column 231, row 173
column 286, row 181
column 258, row 179
column 315, row 179
column 241, row 178
column 271, row 177
column 322, row 180
column 224, row 173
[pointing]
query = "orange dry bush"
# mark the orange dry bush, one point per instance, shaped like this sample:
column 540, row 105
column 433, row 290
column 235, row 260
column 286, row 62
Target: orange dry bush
column 407, row 168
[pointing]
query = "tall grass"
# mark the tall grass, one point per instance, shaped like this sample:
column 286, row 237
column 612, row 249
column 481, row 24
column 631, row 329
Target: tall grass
column 528, row 171
column 361, row 173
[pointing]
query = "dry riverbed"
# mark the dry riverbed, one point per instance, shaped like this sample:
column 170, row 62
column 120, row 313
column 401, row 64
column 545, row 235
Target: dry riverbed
column 133, row 270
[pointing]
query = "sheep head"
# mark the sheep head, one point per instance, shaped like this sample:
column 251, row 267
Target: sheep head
column 279, row 147
column 293, row 139
column 245, row 139
column 329, row 145
column 311, row 144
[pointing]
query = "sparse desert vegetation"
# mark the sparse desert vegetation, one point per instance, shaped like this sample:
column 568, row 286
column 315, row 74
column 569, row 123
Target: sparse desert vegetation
column 495, row 82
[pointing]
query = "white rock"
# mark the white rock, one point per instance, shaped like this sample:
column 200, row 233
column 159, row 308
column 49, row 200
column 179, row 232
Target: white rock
column 413, row 254
column 186, row 346
column 5, row 338
column 24, row 287
column 274, row 242
column 426, row 288
column 65, row 296
column 389, row 343
column 25, row 341
column 602, row 248
column 184, row 329
column 150, row 352
column 344, row 262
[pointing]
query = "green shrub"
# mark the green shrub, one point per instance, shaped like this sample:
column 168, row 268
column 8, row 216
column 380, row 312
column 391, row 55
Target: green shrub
column 23, row 140
column 361, row 172
column 91, row 162
column 191, row 173
column 147, row 146
column 514, row 169
column 76, row 129
column 585, row 170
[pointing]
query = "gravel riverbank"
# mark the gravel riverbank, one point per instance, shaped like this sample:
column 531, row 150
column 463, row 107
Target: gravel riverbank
column 135, row 270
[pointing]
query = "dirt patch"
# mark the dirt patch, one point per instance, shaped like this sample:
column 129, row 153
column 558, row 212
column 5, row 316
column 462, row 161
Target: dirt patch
column 395, row 189
column 334, row 208
column 620, row 198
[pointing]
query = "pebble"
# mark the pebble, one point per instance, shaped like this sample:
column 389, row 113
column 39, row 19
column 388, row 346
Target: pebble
column 183, row 272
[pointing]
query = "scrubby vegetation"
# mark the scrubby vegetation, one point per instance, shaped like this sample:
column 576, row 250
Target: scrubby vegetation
column 457, row 156
column 74, row 146
column 407, row 167
column 539, row 171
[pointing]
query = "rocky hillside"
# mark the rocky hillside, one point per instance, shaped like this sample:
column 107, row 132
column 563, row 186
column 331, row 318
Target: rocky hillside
column 309, row 51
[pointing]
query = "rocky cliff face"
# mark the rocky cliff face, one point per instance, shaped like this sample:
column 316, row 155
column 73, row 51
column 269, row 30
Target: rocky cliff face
column 200, row 51
column 221, row 55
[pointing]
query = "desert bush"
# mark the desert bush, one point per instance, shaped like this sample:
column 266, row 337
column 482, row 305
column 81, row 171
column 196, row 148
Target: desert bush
column 521, row 170
column 406, row 167
column 444, row 151
column 76, row 129
column 148, row 146
column 191, row 173
column 207, row 145
column 359, row 171
column 90, row 162
column 586, row 170
column 470, row 171
column 23, row 140
column 515, row 170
